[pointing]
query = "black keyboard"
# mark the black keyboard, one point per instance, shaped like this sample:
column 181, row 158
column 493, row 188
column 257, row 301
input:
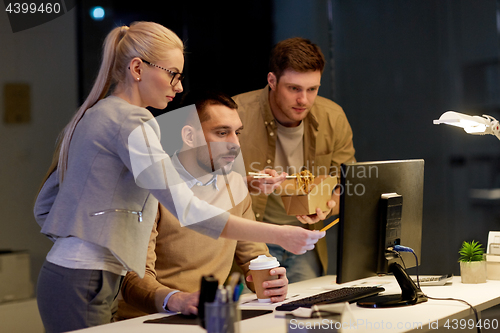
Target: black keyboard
column 347, row 294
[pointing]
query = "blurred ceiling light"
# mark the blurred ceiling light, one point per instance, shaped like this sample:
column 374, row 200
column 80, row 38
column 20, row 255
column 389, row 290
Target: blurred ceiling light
column 97, row 13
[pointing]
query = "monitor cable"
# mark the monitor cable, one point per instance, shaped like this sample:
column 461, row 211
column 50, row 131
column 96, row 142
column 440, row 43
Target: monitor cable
column 400, row 248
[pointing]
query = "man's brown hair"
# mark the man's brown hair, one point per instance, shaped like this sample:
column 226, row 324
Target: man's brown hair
column 206, row 97
column 298, row 54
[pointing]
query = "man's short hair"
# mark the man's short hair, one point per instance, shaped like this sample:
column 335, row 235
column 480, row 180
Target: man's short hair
column 298, row 54
column 203, row 98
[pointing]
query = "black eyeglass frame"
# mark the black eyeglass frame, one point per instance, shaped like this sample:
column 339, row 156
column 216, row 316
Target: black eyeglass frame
column 174, row 74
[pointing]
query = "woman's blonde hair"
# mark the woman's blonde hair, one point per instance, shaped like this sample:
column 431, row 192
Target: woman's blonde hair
column 146, row 40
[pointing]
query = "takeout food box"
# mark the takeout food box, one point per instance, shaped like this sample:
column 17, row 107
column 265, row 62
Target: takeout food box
column 298, row 202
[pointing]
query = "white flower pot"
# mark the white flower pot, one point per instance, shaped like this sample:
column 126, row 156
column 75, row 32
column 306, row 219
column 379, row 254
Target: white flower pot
column 473, row 271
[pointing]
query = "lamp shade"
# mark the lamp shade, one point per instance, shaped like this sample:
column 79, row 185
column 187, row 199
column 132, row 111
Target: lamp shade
column 471, row 124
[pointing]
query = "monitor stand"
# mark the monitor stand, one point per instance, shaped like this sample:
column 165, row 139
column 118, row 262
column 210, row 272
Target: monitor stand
column 410, row 293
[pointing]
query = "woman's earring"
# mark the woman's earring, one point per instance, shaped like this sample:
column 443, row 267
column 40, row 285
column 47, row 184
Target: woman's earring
column 138, row 79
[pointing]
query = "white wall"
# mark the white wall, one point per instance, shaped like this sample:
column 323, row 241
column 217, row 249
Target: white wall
column 45, row 58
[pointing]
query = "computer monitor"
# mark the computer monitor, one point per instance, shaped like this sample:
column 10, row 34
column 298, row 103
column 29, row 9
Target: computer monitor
column 367, row 227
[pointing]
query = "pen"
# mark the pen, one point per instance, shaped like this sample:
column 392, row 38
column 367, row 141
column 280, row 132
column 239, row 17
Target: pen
column 235, row 294
column 238, row 289
column 233, row 279
column 229, row 293
column 221, row 295
column 330, row 225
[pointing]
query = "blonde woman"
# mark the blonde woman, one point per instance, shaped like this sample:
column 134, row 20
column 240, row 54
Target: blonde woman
column 90, row 203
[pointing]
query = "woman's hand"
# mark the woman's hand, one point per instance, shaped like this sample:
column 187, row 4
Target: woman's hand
column 294, row 239
column 298, row 240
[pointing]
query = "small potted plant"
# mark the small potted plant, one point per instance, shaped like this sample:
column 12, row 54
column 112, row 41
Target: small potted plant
column 472, row 263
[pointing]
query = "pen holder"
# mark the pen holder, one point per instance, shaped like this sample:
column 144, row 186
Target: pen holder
column 222, row 317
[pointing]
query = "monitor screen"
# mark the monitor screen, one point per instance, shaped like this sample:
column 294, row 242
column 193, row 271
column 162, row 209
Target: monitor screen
column 362, row 236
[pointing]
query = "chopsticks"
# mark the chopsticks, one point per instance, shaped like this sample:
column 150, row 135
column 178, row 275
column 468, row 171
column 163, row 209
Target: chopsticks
column 257, row 175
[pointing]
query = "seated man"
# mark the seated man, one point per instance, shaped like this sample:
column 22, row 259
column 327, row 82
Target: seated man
column 178, row 257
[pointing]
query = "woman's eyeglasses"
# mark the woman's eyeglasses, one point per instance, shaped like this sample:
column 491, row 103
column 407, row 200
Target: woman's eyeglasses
column 176, row 77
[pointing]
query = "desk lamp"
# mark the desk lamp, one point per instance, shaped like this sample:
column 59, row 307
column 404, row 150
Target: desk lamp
column 471, row 124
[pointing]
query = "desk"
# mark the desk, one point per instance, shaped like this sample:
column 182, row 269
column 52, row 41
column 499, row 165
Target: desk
column 424, row 317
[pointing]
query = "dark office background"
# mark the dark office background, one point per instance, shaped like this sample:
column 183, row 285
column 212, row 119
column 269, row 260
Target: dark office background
column 227, row 43
column 394, row 66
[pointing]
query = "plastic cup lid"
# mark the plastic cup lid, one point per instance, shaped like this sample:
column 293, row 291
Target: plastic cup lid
column 263, row 262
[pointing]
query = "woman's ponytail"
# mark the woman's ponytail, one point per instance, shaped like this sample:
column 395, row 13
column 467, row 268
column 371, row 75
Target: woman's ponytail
column 98, row 92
